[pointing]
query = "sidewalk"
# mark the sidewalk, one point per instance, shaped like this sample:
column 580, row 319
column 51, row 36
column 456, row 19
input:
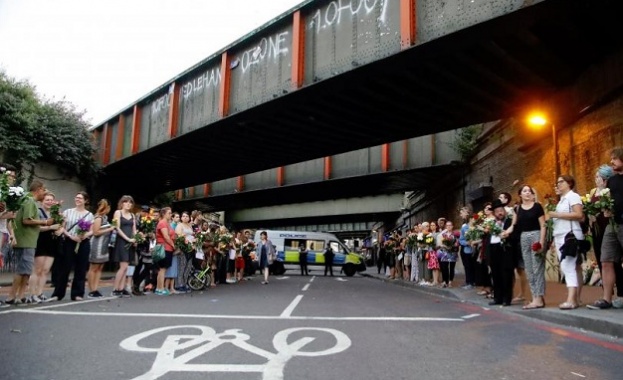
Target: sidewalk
column 609, row 322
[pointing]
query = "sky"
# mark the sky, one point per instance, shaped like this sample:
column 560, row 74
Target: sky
column 103, row 55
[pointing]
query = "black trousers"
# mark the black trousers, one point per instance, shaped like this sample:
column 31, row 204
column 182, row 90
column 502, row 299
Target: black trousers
column 447, row 271
column 142, row 272
column 469, row 263
column 328, row 265
column 502, row 271
column 303, row 263
column 69, row 260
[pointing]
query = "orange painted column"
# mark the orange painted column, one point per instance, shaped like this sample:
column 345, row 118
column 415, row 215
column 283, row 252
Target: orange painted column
column 385, row 157
column 191, row 192
column 174, row 105
column 120, row 135
column 223, row 99
column 407, row 23
column 107, row 143
column 206, row 189
column 136, row 128
column 240, row 183
column 327, row 167
column 298, row 50
column 280, row 176
column 405, row 153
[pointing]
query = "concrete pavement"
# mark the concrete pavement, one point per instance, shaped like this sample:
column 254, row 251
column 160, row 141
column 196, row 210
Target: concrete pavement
column 609, row 322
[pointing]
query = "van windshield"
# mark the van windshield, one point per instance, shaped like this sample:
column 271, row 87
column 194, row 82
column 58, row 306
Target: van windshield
column 338, row 247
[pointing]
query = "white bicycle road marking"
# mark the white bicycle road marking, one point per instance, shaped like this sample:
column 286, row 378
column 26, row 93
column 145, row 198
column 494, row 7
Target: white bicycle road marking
column 306, row 287
column 208, row 339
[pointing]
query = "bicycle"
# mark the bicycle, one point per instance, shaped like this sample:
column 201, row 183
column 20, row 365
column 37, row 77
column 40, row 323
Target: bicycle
column 200, row 276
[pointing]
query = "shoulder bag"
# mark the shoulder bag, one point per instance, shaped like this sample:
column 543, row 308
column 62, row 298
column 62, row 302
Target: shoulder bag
column 157, row 253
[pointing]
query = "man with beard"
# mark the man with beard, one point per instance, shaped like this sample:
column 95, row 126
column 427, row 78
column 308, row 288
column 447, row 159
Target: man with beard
column 501, row 258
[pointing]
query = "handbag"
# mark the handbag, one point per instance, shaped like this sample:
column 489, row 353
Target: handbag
column 570, row 246
column 158, row 253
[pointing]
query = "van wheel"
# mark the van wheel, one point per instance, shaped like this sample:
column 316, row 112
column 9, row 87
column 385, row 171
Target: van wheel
column 349, row 270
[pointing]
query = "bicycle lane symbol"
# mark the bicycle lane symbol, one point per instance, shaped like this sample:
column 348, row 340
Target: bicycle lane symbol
column 208, row 339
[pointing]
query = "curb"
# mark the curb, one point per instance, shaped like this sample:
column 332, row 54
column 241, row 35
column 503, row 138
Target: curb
column 551, row 315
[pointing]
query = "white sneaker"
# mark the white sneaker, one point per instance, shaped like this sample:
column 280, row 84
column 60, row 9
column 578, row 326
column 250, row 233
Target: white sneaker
column 35, row 299
column 617, row 303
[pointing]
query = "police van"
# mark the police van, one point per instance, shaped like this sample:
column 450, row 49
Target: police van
column 287, row 245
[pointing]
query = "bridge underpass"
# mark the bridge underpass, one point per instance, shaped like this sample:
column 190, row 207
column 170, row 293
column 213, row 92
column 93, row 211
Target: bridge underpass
column 340, row 80
column 345, row 85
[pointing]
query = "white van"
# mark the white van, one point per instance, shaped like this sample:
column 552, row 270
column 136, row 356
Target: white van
column 287, row 247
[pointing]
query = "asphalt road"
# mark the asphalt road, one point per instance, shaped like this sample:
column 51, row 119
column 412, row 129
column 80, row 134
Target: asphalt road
column 294, row 328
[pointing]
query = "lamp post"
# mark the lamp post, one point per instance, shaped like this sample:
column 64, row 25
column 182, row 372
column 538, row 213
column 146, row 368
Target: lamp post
column 538, row 120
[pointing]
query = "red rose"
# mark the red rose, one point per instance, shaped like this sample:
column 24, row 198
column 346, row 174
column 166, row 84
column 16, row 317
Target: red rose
column 536, row 247
column 475, row 217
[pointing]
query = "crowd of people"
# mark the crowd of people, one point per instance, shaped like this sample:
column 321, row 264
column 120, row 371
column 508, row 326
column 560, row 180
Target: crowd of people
column 504, row 246
column 47, row 240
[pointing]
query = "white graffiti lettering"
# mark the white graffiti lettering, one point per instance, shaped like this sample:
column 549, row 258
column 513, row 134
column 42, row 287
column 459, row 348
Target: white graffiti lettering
column 210, row 78
column 192, row 346
column 332, row 14
column 271, row 47
column 162, row 102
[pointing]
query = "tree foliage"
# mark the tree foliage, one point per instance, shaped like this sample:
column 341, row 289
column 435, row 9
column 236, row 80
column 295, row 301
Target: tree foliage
column 465, row 141
column 33, row 130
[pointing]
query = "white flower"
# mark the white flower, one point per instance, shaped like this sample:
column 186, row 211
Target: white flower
column 2, row 169
column 16, row 191
column 604, row 191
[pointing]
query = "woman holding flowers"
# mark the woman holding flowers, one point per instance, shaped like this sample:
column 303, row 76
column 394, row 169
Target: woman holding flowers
column 165, row 236
column 123, row 253
column 47, row 247
column 529, row 225
column 433, row 260
column 567, row 217
column 75, row 251
column 185, row 229
column 99, row 247
column 447, row 253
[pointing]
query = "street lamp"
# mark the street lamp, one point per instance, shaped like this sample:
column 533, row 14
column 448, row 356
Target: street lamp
column 538, row 120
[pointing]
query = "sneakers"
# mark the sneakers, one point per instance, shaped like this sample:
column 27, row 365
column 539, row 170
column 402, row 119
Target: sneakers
column 161, row 292
column 35, row 299
column 600, row 304
column 95, row 294
column 42, row 297
column 3, row 305
column 137, row 292
column 617, row 303
column 116, row 293
column 125, row 293
column 52, row 299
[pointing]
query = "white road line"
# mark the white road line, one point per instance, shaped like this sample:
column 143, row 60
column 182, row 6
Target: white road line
column 312, row 279
column 306, row 287
column 288, row 311
column 249, row 317
column 470, row 316
column 55, row 305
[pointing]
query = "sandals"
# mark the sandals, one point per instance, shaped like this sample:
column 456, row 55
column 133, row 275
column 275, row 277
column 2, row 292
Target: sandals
column 483, row 293
column 567, row 306
column 531, row 306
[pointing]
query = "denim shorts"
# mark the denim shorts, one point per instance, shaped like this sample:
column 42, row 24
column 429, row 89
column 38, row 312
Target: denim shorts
column 25, row 260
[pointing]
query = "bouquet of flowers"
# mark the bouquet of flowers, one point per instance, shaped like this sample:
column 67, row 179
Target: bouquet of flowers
column 598, row 202
column 183, row 244
column 200, row 238
column 248, row 248
column 473, row 233
column 412, row 240
column 429, row 240
column 390, row 244
column 83, row 226
column 13, row 197
column 139, row 238
column 478, row 218
column 147, row 224
column 492, row 227
column 223, row 240
column 55, row 213
column 448, row 240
